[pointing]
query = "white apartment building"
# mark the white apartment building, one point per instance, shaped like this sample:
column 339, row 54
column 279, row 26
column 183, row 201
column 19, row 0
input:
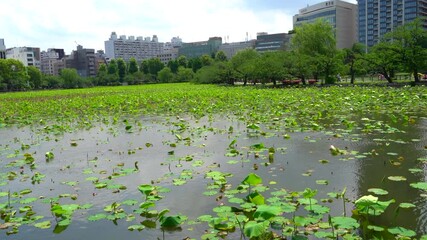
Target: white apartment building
column 29, row 56
column 139, row 48
column 340, row 14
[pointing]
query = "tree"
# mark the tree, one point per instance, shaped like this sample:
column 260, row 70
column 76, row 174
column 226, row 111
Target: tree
column 70, row 78
column 317, row 42
column 184, row 74
column 220, row 56
column 133, row 66
column 407, row 41
column 35, row 77
column 195, row 64
column 269, row 66
column 182, row 61
column 352, row 56
column 144, row 66
column 206, row 60
column 122, row 69
column 50, row 81
column 173, row 65
column 113, row 73
column 298, row 65
column 154, row 67
column 382, row 58
column 13, row 74
column 244, row 63
column 165, row 75
column 101, row 76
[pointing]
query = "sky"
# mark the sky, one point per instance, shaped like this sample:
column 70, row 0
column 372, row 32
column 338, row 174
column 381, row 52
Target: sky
column 64, row 23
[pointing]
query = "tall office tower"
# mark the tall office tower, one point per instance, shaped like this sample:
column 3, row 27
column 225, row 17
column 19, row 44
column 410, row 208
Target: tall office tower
column 83, row 60
column 378, row 17
column 341, row 15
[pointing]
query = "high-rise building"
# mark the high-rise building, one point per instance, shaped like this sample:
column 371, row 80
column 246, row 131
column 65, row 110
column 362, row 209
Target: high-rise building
column 378, row 17
column 2, row 49
column 230, row 49
column 271, row 42
column 340, row 14
column 52, row 61
column 197, row 49
column 139, row 48
column 29, row 56
column 83, row 60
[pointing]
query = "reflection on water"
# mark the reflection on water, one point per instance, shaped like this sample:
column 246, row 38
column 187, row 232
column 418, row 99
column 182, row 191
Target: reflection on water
column 104, row 150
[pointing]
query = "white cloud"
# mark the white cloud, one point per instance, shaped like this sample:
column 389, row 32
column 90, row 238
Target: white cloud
column 52, row 23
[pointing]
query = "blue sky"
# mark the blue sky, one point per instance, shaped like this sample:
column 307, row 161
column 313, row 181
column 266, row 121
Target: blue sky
column 63, row 23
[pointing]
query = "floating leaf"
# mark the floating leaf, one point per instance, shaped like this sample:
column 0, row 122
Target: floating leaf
column 400, row 231
column 376, row 228
column 345, row 222
column 254, row 229
column 136, row 227
column 322, row 182
column 43, row 225
column 28, row 200
column 406, row 205
column 397, row 178
column 378, row 191
column 267, row 212
column 416, row 170
column 419, row 185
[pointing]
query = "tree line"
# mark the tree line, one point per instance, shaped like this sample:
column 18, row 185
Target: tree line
column 310, row 55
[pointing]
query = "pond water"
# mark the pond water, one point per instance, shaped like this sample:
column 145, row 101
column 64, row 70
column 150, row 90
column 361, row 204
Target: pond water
column 177, row 153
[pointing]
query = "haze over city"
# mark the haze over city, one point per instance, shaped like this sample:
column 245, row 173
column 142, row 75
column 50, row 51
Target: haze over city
column 64, row 24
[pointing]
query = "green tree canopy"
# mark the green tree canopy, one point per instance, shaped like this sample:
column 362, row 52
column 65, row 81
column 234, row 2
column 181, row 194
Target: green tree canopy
column 184, row 74
column 133, row 66
column 244, row 63
column 352, row 58
column 206, row 60
column 270, row 66
column 220, row 56
column 317, row 42
column 122, row 69
column 154, row 67
column 182, row 61
column 195, row 64
column 173, row 65
column 382, row 59
column 165, row 75
column 13, row 74
column 35, row 77
column 102, row 75
column 407, row 41
column 70, row 77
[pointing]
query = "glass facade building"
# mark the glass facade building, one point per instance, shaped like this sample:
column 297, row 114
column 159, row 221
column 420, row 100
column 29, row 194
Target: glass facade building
column 377, row 17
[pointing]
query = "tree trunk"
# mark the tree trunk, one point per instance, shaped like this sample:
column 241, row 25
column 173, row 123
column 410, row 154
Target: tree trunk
column 416, row 77
column 303, row 80
column 352, row 73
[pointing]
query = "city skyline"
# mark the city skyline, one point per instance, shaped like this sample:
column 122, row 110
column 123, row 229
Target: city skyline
column 89, row 23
